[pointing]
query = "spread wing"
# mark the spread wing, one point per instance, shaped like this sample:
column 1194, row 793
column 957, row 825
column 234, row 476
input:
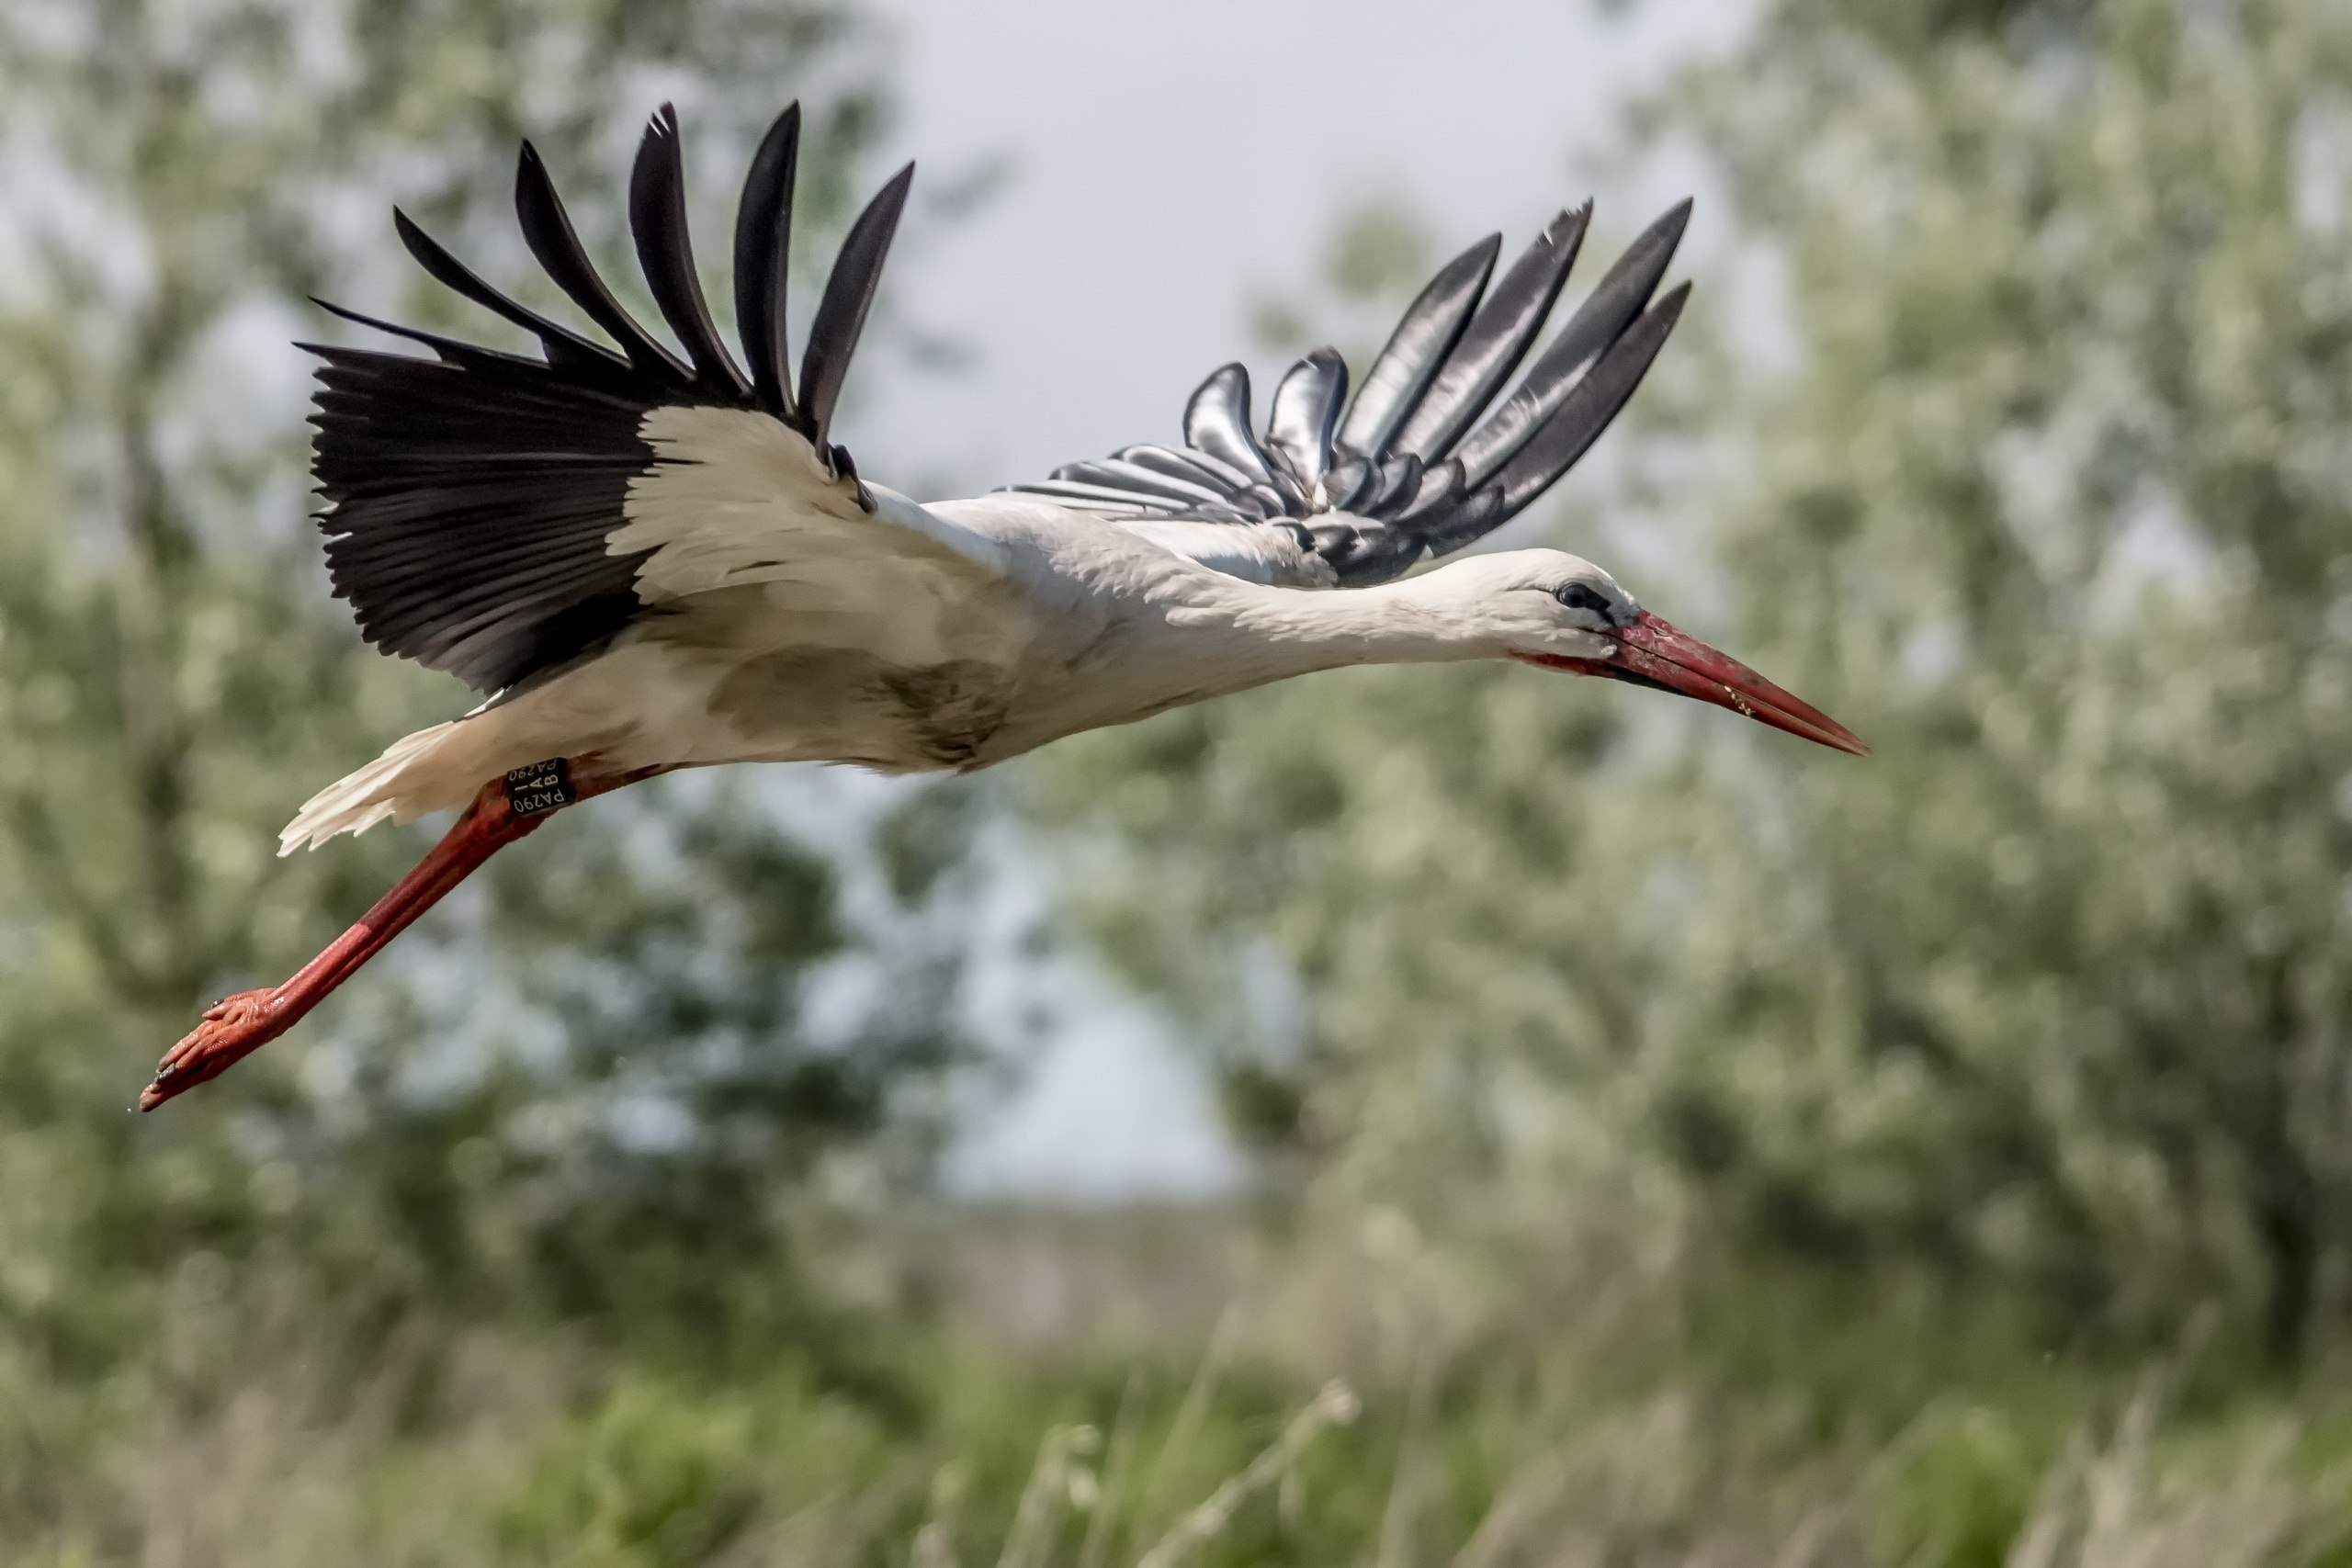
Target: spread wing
column 1409, row 468
column 495, row 515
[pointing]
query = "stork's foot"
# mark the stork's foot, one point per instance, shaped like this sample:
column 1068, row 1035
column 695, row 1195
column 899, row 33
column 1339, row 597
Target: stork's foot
column 233, row 1028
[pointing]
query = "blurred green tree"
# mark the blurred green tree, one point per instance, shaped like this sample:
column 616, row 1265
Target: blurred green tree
column 615, row 1118
column 2026, row 457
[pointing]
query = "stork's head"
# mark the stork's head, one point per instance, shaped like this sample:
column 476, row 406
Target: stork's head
column 1551, row 609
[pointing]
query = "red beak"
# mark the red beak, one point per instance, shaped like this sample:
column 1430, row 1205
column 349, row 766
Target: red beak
column 1650, row 652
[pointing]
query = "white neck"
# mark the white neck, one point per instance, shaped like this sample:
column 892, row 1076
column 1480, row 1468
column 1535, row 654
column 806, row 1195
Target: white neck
column 1172, row 633
column 1270, row 634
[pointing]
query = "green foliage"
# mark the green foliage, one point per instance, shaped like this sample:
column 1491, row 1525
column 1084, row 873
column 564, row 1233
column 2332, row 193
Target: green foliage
column 1722, row 1137
column 589, row 1092
column 660, row 1476
column 421, row 1447
column 1957, row 1494
column 2060, row 521
column 2031, row 467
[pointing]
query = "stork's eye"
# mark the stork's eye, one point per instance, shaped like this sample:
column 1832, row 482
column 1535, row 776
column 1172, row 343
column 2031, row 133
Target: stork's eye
column 1581, row 597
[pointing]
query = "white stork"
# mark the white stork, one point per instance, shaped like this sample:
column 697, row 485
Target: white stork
column 648, row 562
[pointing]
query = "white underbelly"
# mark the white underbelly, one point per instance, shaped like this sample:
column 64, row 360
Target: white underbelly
column 652, row 703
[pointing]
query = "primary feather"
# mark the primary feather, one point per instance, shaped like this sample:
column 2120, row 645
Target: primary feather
column 1408, row 469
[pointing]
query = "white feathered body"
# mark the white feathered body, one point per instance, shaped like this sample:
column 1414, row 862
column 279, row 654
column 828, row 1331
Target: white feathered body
column 662, row 561
column 789, row 625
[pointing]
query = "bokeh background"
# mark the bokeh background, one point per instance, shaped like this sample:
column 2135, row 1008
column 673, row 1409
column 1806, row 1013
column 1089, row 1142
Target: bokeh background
column 1433, row 1116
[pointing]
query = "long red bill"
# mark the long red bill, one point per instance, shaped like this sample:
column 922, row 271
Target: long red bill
column 1651, row 652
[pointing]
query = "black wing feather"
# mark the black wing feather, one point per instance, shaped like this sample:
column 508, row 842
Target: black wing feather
column 429, row 472
column 546, row 229
column 657, row 222
column 841, row 314
column 558, row 341
column 1348, row 480
column 468, row 497
column 449, row 350
column 762, row 258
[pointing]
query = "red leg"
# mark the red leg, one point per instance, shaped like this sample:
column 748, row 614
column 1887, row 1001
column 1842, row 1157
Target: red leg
column 237, row 1026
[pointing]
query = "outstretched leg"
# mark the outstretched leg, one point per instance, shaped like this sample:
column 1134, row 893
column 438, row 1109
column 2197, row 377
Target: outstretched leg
column 237, row 1026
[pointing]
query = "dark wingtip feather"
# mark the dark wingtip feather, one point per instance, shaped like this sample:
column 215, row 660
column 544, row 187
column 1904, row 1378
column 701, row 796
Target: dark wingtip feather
column 1669, row 307
column 560, row 343
column 1607, row 313
column 1587, row 411
column 1653, row 249
column 657, row 221
column 1425, row 335
column 1496, row 338
column 849, row 295
column 449, row 348
column 547, row 229
column 763, row 260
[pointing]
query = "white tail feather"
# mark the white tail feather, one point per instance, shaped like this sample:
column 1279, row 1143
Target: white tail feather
column 386, row 788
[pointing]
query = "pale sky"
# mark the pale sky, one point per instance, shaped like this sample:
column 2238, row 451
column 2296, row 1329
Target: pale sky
column 1169, row 158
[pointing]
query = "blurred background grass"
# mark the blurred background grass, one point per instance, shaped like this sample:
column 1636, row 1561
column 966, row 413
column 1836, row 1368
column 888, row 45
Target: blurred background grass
column 1662, row 1146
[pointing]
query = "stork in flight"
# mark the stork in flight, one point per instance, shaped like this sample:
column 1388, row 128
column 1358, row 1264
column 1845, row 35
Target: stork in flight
column 647, row 562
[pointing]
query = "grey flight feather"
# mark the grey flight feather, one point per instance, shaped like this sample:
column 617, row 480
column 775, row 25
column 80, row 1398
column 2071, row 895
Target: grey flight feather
column 1496, row 338
column 1216, row 422
column 1417, row 350
column 1587, row 410
column 1416, row 466
column 1307, row 413
column 1609, row 311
